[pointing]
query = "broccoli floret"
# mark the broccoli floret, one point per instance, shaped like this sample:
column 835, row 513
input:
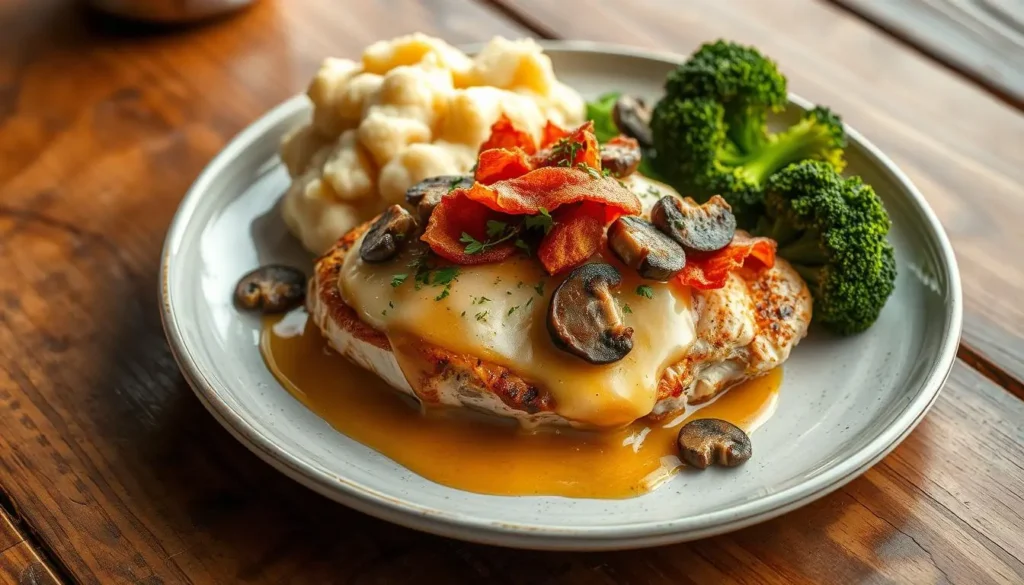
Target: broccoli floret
column 745, row 82
column 710, row 128
column 698, row 159
column 833, row 230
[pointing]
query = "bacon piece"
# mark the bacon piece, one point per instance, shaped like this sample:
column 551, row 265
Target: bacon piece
column 552, row 187
column 504, row 134
column 579, row 147
column 710, row 272
column 499, row 164
column 455, row 215
column 553, row 133
column 575, row 237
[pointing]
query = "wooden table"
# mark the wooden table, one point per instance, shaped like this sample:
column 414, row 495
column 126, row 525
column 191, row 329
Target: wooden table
column 112, row 472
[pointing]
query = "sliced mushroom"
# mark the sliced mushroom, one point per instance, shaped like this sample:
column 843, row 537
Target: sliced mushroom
column 703, row 229
column 643, row 248
column 584, row 318
column 621, row 156
column 712, row 441
column 387, row 235
column 271, row 289
column 425, row 195
column 632, row 116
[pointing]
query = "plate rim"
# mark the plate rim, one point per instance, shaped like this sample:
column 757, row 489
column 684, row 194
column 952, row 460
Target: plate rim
column 650, row 533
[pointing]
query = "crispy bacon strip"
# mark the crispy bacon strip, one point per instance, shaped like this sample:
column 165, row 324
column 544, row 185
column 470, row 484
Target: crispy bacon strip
column 455, row 215
column 576, row 236
column 499, row 164
column 505, row 135
column 552, row 187
column 579, row 147
column 711, row 271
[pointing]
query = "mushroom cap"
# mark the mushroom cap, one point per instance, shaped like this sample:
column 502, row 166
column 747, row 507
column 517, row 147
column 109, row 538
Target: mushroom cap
column 697, row 228
column 640, row 245
column 712, row 441
column 273, row 288
column 632, row 116
column 584, row 317
column 389, row 232
column 425, row 195
column 620, row 157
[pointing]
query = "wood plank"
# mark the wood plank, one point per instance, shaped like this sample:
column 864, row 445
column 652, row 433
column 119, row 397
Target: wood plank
column 984, row 39
column 125, row 478
column 20, row 563
column 956, row 142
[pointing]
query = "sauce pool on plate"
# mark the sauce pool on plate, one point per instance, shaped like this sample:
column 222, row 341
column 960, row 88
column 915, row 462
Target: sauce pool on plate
column 483, row 454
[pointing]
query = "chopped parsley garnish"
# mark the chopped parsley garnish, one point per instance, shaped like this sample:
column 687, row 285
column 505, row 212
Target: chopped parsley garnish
column 512, row 310
column 529, row 301
column 463, row 314
column 539, row 288
column 480, row 300
column 454, row 184
column 444, row 294
column 653, row 192
column 495, row 228
column 565, row 151
column 384, row 313
column 398, row 279
column 606, row 172
column 519, row 284
column 445, row 275
column 391, row 304
column 508, row 292
column 626, row 309
column 497, row 232
column 481, row 316
column 645, row 291
column 522, row 245
column 542, row 221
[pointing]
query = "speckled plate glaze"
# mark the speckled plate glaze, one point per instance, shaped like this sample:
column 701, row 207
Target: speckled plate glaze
column 845, row 403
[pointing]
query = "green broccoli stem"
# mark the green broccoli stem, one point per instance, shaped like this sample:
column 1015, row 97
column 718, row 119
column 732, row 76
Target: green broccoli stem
column 802, row 141
column 806, row 250
column 746, row 130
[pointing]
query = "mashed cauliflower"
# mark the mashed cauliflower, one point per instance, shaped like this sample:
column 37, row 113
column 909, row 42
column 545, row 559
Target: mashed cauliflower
column 414, row 107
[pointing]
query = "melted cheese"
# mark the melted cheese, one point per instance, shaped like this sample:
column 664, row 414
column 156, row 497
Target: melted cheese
column 498, row 312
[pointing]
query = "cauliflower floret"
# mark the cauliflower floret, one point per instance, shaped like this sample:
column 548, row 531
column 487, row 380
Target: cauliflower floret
column 384, row 56
column 518, row 64
column 299, row 147
column 349, row 170
column 422, row 92
column 330, row 81
column 418, row 162
column 387, row 130
column 357, row 96
column 313, row 212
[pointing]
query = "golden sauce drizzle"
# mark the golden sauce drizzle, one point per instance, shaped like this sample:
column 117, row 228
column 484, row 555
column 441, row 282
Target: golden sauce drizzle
column 484, row 454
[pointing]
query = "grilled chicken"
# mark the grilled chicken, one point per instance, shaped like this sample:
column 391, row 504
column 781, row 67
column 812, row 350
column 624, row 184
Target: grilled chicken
column 740, row 331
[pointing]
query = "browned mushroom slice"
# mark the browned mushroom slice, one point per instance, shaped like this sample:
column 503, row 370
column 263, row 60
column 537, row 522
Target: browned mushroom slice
column 705, row 228
column 632, row 116
column 620, row 156
column 271, row 289
column 643, row 248
column 387, row 235
column 425, row 195
column 584, row 318
column 712, row 441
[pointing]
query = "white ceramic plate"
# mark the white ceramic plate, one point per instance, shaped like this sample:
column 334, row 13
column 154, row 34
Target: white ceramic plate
column 845, row 403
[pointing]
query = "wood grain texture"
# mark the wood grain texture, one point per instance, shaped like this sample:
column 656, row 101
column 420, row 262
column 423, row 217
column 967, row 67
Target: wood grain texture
column 125, row 478
column 983, row 39
column 20, row 562
column 957, row 143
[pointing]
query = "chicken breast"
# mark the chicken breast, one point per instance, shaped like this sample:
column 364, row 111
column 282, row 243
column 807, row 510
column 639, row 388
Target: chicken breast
column 740, row 331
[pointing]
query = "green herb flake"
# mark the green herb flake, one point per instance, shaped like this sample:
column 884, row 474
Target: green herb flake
column 495, row 228
column 512, row 310
column 454, row 184
column 539, row 287
column 540, row 221
column 522, row 245
column 626, row 309
column 398, row 279
column 391, row 304
column 384, row 313
column 481, row 316
column 645, row 291
column 481, row 300
column 463, row 314
column 444, row 294
column 529, row 301
column 445, row 275
column 589, row 170
column 473, row 245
